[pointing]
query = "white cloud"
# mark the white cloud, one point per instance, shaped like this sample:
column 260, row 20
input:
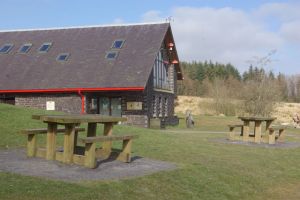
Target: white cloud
column 291, row 31
column 152, row 16
column 231, row 35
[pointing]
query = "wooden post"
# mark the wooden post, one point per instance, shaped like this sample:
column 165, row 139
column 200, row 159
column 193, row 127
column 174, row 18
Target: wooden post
column 90, row 155
column 51, row 141
column 267, row 133
column 90, row 148
column 69, row 143
column 257, row 132
column 92, row 128
column 281, row 136
column 231, row 133
column 271, row 136
column 125, row 155
column 246, row 131
column 106, row 146
column 31, row 145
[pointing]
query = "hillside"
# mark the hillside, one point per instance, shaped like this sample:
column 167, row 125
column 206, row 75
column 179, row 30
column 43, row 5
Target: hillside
column 204, row 106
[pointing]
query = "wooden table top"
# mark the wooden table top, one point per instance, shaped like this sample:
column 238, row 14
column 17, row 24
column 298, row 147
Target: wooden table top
column 77, row 118
column 253, row 118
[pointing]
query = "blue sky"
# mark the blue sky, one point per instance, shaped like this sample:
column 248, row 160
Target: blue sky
column 239, row 32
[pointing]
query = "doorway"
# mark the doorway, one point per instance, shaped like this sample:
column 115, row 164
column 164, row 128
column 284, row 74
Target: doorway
column 109, row 106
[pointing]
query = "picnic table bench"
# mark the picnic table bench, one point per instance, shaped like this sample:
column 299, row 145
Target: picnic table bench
column 72, row 153
column 270, row 135
column 91, row 153
column 32, row 149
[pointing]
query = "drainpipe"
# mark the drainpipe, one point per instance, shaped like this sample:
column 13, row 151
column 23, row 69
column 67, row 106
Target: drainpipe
column 82, row 101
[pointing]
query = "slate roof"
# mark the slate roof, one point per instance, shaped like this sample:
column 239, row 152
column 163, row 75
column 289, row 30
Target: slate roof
column 87, row 66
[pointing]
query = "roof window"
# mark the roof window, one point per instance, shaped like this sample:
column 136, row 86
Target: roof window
column 111, row 55
column 25, row 48
column 45, row 47
column 118, row 44
column 6, row 48
column 63, row 57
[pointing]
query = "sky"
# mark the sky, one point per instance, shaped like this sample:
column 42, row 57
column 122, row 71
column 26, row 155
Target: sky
column 262, row 33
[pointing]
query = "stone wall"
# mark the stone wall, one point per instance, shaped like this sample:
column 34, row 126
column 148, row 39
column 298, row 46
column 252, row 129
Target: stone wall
column 69, row 103
column 137, row 120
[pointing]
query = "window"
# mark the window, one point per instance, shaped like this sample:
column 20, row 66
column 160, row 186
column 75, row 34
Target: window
column 6, row 48
column 45, row 47
column 112, row 55
column 118, row 44
column 63, row 57
column 160, row 73
column 25, row 48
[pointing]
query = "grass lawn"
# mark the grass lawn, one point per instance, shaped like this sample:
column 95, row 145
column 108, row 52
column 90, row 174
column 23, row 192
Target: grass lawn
column 206, row 169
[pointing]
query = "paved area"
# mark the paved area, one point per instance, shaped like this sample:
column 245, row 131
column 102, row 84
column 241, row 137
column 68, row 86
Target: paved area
column 277, row 145
column 15, row 161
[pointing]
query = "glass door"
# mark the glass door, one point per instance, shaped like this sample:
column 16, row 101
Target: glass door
column 116, row 109
column 104, row 106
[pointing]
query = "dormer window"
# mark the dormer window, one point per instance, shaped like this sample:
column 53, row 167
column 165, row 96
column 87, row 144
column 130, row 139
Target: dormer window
column 118, row 44
column 25, row 48
column 6, row 48
column 63, row 57
column 45, row 47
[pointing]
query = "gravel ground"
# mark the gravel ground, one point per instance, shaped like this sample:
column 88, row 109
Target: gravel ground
column 15, row 161
column 277, row 145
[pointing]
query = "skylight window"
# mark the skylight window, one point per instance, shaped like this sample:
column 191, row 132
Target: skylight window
column 6, row 48
column 111, row 55
column 63, row 57
column 25, row 48
column 118, row 44
column 45, row 47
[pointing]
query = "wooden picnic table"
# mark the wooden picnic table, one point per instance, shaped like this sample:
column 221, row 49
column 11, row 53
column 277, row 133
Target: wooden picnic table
column 70, row 138
column 257, row 127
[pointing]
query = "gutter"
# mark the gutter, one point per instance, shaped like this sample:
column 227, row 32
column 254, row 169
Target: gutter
column 71, row 90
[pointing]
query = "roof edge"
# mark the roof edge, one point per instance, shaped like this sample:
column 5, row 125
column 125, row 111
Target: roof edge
column 71, row 90
column 87, row 26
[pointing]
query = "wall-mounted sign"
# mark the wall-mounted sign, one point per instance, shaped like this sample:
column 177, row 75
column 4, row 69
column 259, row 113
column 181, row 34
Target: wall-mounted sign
column 134, row 105
column 50, row 105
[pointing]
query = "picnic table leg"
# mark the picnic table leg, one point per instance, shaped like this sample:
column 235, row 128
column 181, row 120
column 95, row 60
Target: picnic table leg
column 281, row 135
column 257, row 131
column 31, row 145
column 107, row 145
column 51, row 141
column 271, row 137
column 125, row 155
column 267, row 133
column 246, row 131
column 90, row 148
column 69, row 143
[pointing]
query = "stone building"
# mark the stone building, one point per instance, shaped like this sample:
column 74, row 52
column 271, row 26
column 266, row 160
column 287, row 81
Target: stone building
column 118, row 70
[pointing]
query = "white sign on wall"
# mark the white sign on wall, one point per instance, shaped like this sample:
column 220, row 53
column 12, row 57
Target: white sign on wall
column 50, row 105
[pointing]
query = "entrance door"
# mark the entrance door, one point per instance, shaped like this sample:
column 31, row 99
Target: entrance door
column 110, row 106
column 116, row 107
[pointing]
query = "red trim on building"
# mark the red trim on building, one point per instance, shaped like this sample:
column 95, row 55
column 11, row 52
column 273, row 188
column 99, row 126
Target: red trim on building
column 62, row 90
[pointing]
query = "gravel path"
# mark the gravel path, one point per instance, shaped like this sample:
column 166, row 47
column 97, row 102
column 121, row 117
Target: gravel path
column 277, row 145
column 15, row 161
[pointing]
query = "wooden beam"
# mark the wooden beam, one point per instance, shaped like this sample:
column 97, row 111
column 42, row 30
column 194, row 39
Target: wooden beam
column 51, row 141
column 106, row 146
column 108, row 138
column 246, row 129
column 257, row 132
column 31, row 145
column 69, row 143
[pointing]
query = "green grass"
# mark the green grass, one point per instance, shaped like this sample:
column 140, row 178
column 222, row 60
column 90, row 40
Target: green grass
column 206, row 169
